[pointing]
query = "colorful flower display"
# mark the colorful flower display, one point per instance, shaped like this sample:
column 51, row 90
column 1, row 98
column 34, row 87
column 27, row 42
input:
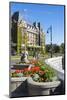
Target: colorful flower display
column 39, row 72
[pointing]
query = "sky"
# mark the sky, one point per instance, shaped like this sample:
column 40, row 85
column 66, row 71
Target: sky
column 47, row 15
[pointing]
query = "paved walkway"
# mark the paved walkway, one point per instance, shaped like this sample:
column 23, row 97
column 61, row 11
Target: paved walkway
column 21, row 91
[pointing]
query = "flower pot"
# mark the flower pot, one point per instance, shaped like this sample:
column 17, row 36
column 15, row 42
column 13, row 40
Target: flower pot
column 41, row 88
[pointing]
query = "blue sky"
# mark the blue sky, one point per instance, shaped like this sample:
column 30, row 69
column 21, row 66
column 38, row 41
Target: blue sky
column 45, row 14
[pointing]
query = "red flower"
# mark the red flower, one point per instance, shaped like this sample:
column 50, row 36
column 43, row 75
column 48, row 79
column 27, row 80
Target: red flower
column 22, row 71
column 25, row 70
column 17, row 71
column 36, row 68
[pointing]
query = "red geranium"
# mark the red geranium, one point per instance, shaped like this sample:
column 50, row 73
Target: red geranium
column 35, row 69
column 17, row 71
column 26, row 70
column 22, row 71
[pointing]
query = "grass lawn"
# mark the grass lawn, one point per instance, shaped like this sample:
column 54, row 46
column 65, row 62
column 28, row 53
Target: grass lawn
column 15, row 57
column 47, row 55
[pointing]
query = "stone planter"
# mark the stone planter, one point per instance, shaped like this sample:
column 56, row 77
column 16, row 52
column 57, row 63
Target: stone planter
column 16, row 82
column 41, row 88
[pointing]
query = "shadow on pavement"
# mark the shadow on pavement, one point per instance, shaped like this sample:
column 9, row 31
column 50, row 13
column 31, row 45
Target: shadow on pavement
column 21, row 91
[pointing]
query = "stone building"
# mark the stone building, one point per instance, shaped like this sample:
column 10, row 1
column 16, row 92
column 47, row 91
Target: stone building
column 30, row 37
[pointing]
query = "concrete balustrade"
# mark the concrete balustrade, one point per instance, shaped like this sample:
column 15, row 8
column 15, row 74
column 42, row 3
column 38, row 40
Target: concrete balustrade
column 56, row 63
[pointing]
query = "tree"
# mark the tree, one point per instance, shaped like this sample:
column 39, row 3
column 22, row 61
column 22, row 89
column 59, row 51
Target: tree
column 62, row 48
column 42, row 43
column 25, row 40
column 48, row 48
column 19, row 40
column 55, row 48
column 22, row 37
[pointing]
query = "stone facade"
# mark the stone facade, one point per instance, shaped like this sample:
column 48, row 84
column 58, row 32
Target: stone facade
column 30, row 36
column 23, row 33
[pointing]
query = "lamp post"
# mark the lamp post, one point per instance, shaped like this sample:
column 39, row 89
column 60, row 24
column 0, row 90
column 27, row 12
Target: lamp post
column 50, row 30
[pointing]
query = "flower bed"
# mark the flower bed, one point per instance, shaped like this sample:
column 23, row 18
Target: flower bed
column 40, row 72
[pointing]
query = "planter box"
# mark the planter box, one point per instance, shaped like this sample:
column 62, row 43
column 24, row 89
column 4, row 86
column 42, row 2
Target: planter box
column 41, row 88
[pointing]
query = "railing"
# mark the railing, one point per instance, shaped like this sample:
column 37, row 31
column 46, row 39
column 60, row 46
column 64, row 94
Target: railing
column 56, row 63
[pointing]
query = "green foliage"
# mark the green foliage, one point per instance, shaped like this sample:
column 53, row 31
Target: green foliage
column 42, row 50
column 62, row 48
column 56, row 49
column 25, row 39
column 42, row 68
column 48, row 72
column 49, row 75
column 17, row 74
column 19, row 40
column 39, row 63
column 48, row 48
column 35, row 77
